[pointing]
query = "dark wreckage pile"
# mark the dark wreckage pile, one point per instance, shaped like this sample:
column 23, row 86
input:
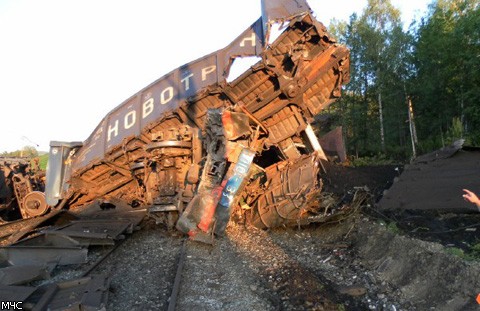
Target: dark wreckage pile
column 194, row 148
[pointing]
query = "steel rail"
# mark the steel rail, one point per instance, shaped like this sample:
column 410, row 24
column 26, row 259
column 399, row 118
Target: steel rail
column 178, row 278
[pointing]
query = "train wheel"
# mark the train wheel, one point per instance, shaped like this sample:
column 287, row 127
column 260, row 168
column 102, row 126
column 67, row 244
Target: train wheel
column 35, row 204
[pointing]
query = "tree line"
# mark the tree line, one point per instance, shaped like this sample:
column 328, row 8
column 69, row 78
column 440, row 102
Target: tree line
column 411, row 91
column 25, row 152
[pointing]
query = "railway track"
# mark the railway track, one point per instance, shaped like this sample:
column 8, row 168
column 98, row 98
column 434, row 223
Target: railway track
column 156, row 269
column 172, row 302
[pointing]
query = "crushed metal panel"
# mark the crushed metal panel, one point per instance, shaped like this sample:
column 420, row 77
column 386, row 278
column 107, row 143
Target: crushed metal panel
column 43, row 250
column 94, row 232
column 56, row 217
column 88, row 293
column 15, row 293
column 31, row 255
column 17, row 275
column 290, row 196
column 333, row 144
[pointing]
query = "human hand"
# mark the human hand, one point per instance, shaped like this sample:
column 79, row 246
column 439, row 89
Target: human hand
column 471, row 197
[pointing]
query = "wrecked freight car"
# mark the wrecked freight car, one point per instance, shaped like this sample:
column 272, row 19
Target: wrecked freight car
column 21, row 188
column 192, row 147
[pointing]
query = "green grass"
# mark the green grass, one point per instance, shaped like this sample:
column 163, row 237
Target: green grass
column 392, row 227
column 472, row 254
column 379, row 159
column 456, row 252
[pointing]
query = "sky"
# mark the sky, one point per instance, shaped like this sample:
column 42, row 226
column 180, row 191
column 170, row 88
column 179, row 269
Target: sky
column 64, row 64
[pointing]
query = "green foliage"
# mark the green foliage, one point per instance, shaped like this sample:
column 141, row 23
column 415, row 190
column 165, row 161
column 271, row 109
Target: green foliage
column 43, row 161
column 447, row 77
column 379, row 159
column 475, row 251
column 455, row 132
column 471, row 254
column 435, row 63
column 26, row 152
column 380, row 54
column 455, row 251
column 392, row 227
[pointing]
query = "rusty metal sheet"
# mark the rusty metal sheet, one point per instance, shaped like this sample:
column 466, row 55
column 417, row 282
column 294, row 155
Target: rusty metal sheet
column 333, row 144
column 292, row 191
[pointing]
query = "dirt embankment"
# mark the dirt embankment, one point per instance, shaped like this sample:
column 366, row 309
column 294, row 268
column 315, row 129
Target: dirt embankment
column 423, row 274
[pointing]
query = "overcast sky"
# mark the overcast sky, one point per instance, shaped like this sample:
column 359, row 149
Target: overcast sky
column 65, row 64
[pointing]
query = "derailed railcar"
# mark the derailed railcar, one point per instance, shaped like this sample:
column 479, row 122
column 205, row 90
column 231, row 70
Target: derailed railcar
column 192, row 147
column 21, row 188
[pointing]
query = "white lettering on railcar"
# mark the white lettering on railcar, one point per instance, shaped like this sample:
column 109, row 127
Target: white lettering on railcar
column 252, row 39
column 164, row 100
column 186, row 80
column 207, row 70
column 114, row 129
column 130, row 119
column 147, row 108
column 167, row 94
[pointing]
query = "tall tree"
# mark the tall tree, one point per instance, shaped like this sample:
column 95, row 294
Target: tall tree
column 378, row 51
column 447, row 60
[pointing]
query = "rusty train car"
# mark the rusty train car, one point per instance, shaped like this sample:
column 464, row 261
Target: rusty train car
column 195, row 149
column 21, row 189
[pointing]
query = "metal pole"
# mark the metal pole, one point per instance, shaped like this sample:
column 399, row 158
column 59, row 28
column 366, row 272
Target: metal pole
column 412, row 126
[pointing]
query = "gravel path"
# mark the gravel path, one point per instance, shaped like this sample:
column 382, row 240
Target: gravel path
column 142, row 270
